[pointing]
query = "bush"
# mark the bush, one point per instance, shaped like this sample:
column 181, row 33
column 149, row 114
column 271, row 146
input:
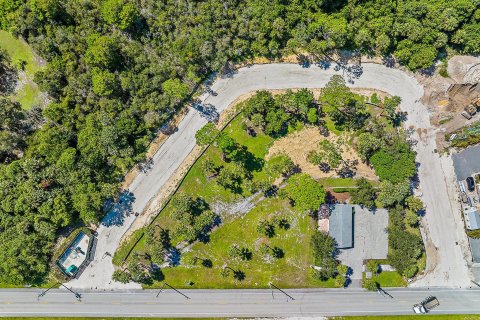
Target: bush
column 474, row 233
column 410, row 272
column 370, row 285
column 121, row 276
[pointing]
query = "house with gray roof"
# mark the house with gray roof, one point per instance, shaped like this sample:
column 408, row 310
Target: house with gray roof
column 341, row 225
column 472, row 218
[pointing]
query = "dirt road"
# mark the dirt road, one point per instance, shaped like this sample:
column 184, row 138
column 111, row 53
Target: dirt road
column 442, row 220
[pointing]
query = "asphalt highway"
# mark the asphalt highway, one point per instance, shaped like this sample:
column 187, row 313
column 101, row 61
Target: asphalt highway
column 233, row 303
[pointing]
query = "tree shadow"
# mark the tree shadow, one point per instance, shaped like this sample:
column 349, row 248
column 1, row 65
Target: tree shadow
column 207, row 111
column 173, row 257
column 119, row 209
column 8, row 79
column 304, row 60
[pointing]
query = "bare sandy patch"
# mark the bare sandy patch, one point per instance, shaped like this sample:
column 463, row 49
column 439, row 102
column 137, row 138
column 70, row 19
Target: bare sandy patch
column 299, row 144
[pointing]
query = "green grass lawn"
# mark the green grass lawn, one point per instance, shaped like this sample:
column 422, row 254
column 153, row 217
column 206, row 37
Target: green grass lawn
column 390, row 279
column 293, row 270
column 19, row 51
column 290, row 271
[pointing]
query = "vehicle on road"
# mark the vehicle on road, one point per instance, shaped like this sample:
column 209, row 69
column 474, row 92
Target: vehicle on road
column 426, row 305
column 470, row 184
column 467, row 115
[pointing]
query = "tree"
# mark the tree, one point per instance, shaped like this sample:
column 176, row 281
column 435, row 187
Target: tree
column 342, row 269
column 345, row 108
column 266, row 228
column 372, row 266
column 368, row 144
column 364, row 194
column 282, row 164
column 231, row 177
column 394, row 164
column 210, row 168
column 415, row 204
column 121, row 276
column 207, row 134
column 120, row 13
column 390, row 106
column 103, row 83
column 103, row 52
column 306, row 193
column 176, row 90
column 370, row 285
column 393, row 193
column 329, row 155
column 324, row 249
column 312, row 116
column 411, row 218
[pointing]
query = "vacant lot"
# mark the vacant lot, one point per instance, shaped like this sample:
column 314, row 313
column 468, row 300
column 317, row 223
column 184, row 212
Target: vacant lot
column 23, row 59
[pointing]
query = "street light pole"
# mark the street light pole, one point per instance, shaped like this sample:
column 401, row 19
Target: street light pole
column 274, row 286
column 166, row 284
column 77, row 295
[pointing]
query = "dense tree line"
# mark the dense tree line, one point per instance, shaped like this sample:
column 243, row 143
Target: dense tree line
column 117, row 69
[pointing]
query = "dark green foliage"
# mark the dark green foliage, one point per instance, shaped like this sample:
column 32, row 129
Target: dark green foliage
column 117, row 70
column 274, row 114
column 346, row 108
column 364, row 194
column 306, row 193
column 394, row 164
column 406, row 249
column 324, row 252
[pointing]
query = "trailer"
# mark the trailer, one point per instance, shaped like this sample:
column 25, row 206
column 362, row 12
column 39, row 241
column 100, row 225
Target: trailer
column 426, row 305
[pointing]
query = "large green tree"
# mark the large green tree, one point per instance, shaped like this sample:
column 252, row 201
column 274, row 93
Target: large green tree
column 306, row 193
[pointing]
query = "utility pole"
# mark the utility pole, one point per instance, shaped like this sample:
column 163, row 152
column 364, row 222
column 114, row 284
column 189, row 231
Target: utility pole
column 274, row 286
column 77, row 295
column 166, row 284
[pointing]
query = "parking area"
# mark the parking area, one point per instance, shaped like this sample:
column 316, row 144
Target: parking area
column 467, row 167
column 370, row 240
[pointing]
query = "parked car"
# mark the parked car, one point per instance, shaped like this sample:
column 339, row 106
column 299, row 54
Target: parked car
column 470, row 184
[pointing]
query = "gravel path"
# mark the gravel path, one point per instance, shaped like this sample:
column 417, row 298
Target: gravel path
column 442, row 219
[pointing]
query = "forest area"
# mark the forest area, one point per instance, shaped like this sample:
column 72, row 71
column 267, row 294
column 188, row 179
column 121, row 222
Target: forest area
column 118, row 69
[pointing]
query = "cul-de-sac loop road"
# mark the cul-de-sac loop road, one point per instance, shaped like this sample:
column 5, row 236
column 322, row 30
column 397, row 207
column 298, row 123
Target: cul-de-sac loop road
column 442, row 222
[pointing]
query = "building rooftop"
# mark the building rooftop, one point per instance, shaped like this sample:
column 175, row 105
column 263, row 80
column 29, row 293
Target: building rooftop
column 472, row 218
column 341, row 225
column 466, row 162
column 76, row 254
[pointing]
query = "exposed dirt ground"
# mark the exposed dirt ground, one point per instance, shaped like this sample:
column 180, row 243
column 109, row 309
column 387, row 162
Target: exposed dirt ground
column 447, row 97
column 299, row 144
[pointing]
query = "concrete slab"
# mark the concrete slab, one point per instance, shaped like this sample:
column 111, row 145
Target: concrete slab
column 467, row 162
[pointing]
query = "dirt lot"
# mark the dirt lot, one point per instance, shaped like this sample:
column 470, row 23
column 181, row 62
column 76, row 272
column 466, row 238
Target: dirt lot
column 446, row 97
column 298, row 145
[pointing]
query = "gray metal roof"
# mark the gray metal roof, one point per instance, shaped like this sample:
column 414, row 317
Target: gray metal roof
column 472, row 218
column 341, row 225
column 466, row 162
column 475, row 247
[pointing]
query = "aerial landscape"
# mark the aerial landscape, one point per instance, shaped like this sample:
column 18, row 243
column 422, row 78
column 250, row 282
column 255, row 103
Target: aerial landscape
column 240, row 159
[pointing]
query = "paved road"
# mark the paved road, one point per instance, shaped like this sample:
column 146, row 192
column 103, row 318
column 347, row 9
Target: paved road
column 282, row 76
column 232, row 303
